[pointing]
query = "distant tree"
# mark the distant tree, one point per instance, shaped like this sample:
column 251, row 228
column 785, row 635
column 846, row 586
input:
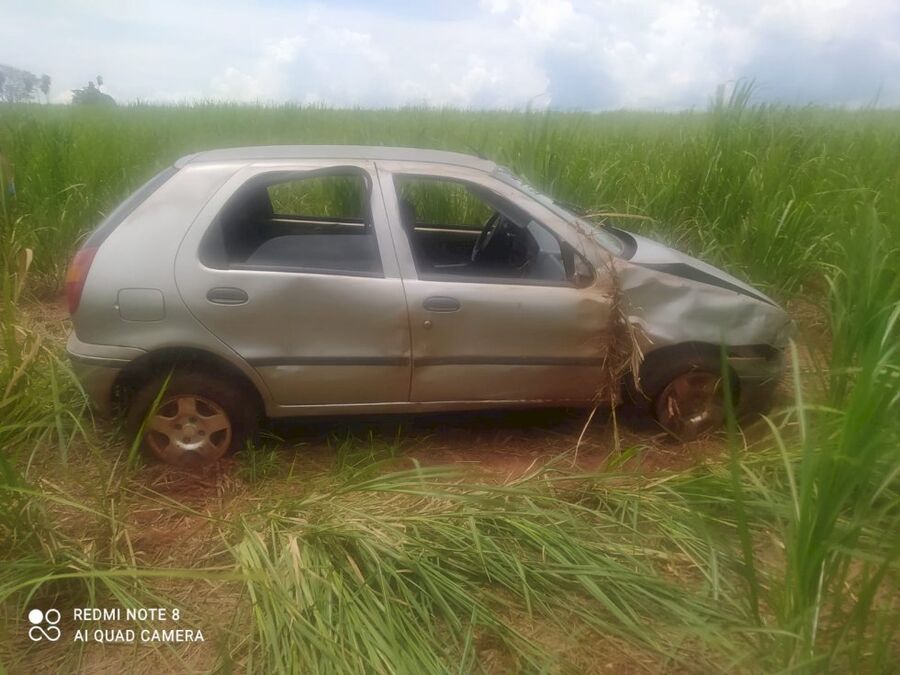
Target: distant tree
column 91, row 94
column 45, row 86
column 30, row 82
column 18, row 86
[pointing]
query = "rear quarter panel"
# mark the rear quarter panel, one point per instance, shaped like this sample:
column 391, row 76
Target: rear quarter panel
column 140, row 254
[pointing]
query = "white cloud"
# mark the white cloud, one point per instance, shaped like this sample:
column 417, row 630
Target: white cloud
column 540, row 18
column 484, row 53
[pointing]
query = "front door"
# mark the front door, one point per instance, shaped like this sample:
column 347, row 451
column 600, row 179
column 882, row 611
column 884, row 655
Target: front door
column 297, row 275
column 515, row 317
column 505, row 342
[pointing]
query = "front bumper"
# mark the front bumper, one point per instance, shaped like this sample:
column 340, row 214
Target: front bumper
column 758, row 374
column 97, row 368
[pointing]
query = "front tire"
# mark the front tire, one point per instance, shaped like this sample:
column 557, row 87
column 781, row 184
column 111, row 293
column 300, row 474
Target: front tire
column 201, row 417
column 684, row 389
column 691, row 404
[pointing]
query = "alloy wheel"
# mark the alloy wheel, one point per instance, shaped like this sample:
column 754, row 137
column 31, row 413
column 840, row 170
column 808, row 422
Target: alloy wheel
column 189, row 430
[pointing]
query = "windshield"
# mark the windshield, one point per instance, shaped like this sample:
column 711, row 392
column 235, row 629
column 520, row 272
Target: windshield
column 605, row 238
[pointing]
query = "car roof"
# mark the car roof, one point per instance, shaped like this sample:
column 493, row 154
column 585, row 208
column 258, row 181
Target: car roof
column 366, row 152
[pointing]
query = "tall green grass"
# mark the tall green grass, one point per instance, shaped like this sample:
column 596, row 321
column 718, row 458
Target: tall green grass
column 784, row 560
column 763, row 190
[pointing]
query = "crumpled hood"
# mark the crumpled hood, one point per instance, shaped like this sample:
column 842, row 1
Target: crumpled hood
column 676, row 299
column 660, row 257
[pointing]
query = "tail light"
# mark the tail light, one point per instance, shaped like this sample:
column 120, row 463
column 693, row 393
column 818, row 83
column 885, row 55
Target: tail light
column 77, row 275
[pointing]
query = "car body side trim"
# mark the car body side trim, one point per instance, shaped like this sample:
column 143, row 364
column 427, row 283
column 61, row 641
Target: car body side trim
column 507, row 361
column 329, row 361
column 424, row 361
column 403, row 407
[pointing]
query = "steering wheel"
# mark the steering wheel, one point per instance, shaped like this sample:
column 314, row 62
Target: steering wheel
column 487, row 234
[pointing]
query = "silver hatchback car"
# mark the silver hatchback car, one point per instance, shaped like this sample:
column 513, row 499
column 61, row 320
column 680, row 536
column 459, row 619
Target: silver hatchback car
column 311, row 280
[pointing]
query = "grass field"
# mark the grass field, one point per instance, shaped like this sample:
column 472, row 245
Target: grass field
column 371, row 547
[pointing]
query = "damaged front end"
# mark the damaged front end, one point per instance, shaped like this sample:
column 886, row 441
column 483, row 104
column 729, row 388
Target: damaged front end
column 679, row 304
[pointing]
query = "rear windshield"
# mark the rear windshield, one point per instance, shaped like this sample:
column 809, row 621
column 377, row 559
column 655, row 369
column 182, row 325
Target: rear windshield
column 126, row 208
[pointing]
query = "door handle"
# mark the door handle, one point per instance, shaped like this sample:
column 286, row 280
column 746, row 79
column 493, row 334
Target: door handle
column 441, row 303
column 226, row 295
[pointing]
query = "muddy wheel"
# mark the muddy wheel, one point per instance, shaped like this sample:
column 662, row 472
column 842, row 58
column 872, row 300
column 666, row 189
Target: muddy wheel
column 200, row 418
column 691, row 404
column 683, row 389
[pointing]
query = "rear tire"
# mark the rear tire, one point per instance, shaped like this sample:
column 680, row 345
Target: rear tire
column 201, row 417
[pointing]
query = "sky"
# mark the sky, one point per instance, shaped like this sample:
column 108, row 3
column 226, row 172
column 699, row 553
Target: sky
column 562, row 54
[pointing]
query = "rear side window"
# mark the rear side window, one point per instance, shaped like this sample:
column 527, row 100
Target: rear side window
column 126, row 208
column 336, row 197
column 311, row 222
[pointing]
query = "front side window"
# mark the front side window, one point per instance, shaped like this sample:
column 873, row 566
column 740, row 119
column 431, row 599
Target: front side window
column 463, row 232
column 312, row 222
column 604, row 237
column 441, row 203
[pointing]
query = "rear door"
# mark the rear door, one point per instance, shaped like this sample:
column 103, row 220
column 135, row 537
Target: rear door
column 292, row 267
column 477, row 338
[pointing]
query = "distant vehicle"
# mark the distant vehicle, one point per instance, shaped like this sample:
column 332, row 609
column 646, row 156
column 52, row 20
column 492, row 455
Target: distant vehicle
column 310, row 280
